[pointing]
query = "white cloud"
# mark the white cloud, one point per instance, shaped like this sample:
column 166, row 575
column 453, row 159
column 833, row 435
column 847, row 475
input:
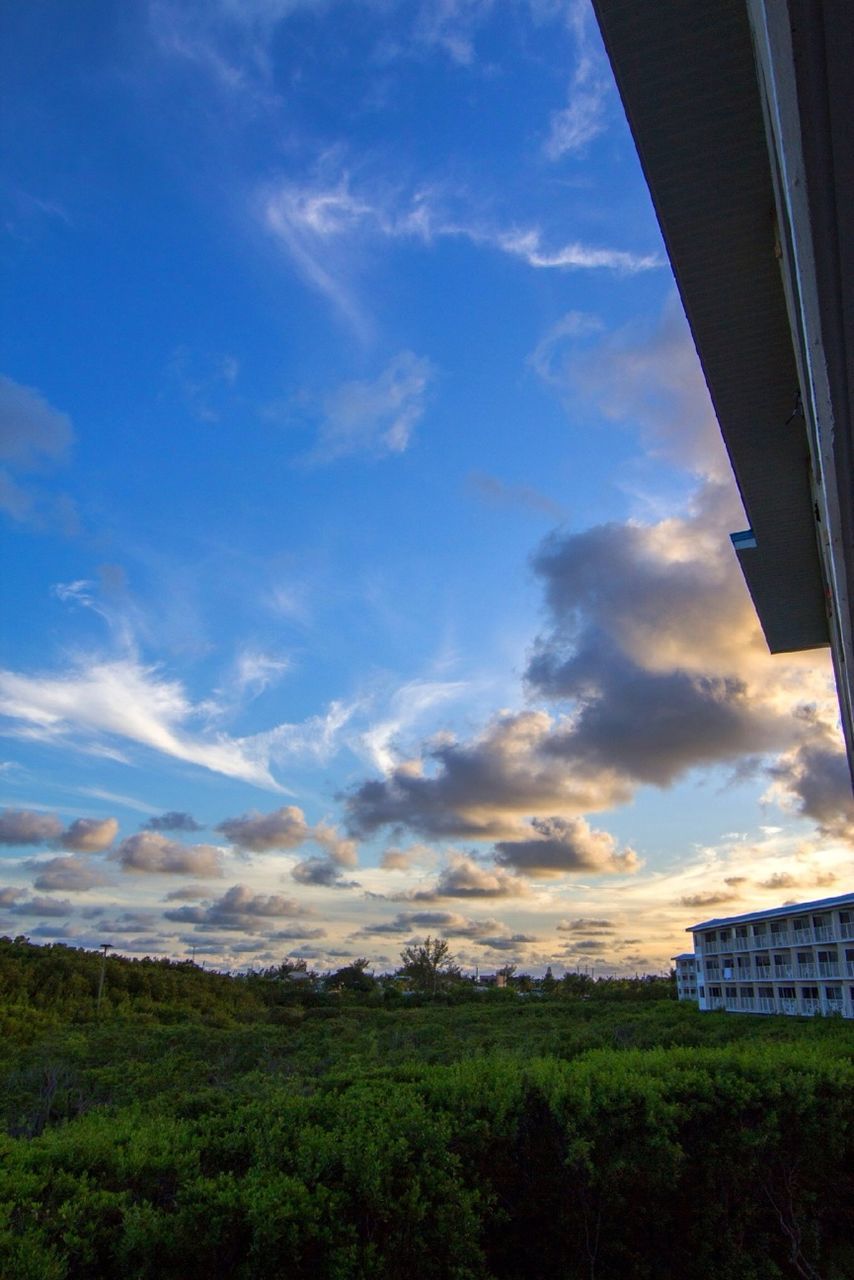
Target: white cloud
column 68, row 875
column 583, row 118
column 408, row 704
column 325, row 226
column 151, row 853
column 96, row 700
column 374, row 417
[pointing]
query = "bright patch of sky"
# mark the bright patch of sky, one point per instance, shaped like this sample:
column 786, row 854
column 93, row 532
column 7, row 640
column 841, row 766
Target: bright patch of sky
column 364, row 514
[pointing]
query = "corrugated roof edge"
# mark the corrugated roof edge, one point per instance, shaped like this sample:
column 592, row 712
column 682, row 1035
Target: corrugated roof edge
column 796, row 907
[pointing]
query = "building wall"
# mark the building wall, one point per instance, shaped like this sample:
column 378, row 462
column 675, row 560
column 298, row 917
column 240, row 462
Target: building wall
column 799, row 963
column 686, row 977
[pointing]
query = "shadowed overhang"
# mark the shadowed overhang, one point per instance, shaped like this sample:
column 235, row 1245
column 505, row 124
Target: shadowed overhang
column 734, row 105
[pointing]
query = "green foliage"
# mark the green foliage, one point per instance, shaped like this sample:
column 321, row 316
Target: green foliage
column 586, row 1137
column 428, row 966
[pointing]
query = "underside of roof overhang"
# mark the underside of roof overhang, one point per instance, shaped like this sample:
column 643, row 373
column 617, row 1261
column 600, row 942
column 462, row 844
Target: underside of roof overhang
column 687, row 76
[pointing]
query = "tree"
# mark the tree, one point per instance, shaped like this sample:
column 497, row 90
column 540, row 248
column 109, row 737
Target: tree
column 429, row 965
column 353, row 977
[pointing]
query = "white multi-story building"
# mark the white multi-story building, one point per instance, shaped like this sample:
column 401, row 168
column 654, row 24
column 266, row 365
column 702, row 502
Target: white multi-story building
column 686, row 975
column 797, row 959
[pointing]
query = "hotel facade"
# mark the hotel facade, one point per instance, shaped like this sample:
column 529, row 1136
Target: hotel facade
column 797, row 959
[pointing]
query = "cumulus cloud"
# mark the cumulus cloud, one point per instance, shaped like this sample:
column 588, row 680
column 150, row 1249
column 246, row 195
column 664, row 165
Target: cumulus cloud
column 187, row 893
column 296, row 933
column 284, row 828
column 151, row 853
column 586, row 947
column 651, row 659
column 396, row 860
column 565, row 845
column 174, row 820
column 449, row 923
column 67, row 875
column 376, row 417
column 22, row 827
column 50, row 907
column 465, row 878
column 83, row 835
column 512, row 943
column 325, row 869
column 322, row 872
column 815, row 780
column 710, row 899
column 587, row 924
column 89, row 835
column 342, row 851
column 786, row 880
column 240, row 909
column 482, row 789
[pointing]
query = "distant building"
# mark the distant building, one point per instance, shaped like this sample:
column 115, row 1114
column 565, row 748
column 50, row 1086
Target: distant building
column 686, row 976
column 797, row 959
column 492, row 980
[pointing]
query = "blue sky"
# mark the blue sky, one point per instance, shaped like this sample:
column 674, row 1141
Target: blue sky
column 363, row 509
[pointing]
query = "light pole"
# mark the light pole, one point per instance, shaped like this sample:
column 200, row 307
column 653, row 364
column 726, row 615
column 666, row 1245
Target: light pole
column 105, row 947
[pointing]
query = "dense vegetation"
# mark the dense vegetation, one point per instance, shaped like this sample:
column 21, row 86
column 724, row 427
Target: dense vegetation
column 205, row 1126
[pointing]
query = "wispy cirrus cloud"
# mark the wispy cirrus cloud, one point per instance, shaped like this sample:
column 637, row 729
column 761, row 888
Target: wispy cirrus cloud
column 96, row 701
column 584, row 117
column 327, row 226
column 374, row 417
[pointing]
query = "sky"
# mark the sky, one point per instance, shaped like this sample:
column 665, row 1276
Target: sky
column 366, row 569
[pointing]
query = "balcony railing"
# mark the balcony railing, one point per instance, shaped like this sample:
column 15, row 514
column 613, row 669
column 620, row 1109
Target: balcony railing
column 828, row 968
column 788, row 1006
column 849, row 968
column 846, row 930
column 806, row 971
column 782, row 971
column 823, row 932
column 765, row 1004
column 810, row 1006
column 781, row 939
column 742, row 944
column 747, row 1002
